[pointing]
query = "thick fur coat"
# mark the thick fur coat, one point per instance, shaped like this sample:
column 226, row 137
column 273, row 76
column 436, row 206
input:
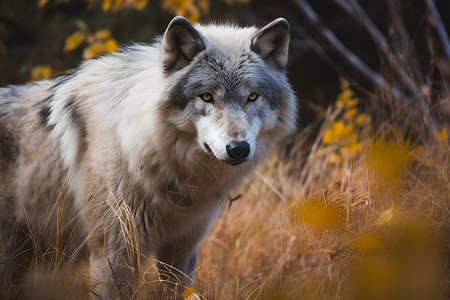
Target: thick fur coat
column 133, row 153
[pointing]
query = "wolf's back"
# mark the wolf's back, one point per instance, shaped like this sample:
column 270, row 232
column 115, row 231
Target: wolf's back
column 32, row 174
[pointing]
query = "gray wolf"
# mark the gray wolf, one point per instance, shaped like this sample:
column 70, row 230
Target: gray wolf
column 133, row 154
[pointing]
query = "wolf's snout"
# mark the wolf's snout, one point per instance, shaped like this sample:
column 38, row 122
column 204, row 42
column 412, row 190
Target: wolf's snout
column 238, row 150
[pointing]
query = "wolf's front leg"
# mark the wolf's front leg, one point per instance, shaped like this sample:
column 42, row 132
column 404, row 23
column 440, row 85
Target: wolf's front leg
column 176, row 265
column 113, row 268
column 112, row 276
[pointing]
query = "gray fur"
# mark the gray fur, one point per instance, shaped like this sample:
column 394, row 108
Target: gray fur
column 123, row 151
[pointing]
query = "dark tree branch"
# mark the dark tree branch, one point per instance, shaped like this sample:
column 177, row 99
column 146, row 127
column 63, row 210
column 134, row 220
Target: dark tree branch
column 443, row 35
column 350, row 58
column 114, row 277
column 401, row 44
column 317, row 48
column 356, row 11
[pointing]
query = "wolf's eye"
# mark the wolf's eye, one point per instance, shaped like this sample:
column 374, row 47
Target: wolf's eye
column 252, row 97
column 207, row 97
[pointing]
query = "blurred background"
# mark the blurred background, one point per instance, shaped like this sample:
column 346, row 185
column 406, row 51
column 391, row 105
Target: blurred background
column 397, row 47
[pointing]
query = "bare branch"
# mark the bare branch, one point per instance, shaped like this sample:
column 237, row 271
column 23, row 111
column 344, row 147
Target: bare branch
column 443, row 35
column 114, row 277
column 352, row 59
column 402, row 39
column 309, row 42
column 355, row 10
column 400, row 43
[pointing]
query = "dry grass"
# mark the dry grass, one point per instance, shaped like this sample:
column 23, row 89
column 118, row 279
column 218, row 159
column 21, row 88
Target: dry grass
column 331, row 221
column 346, row 234
column 373, row 224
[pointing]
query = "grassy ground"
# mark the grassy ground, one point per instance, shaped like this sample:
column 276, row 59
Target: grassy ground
column 348, row 233
column 363, row 213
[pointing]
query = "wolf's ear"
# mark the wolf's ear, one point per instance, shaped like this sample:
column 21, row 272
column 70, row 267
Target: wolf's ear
column 271, row 43
column 181, row 43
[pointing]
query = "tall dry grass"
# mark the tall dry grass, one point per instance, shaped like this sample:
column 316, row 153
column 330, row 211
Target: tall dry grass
column 363, row 215
column 347, row 211
column 348, row 235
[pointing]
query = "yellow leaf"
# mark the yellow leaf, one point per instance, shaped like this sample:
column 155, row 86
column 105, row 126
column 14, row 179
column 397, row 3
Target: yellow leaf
column 350, row 149
column 328, row 137
column 111, row 45
column 339, row 129
column 42, row 3
column 351, row 102
column 362, row 119
column 340, row 102
column 102, row 34
column 94, row 50
column 188, row 8
column 354, row 147
column 350, row 113
column 73, row 41
column 41, row 72
column 193, row 13
column 317, row 214
column 345, row 130
column 187, row 292
column 345, row 97
column 106, row 5
column 139, row 4
column 175, row 4
column 117, row 4
column 442, row 135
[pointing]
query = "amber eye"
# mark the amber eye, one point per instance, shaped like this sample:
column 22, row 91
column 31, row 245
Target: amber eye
column 252, row 97
column 207, row 97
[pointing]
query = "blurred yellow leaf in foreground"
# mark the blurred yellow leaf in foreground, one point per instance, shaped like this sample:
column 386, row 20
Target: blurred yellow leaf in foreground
column 389, row 159
column 317, row 214
column 368, row 243
column 375, row 280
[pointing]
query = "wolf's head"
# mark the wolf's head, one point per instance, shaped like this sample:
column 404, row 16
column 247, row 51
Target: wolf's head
column 227, row 86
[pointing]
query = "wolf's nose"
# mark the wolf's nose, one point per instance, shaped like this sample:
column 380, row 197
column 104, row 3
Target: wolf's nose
column 238, row 149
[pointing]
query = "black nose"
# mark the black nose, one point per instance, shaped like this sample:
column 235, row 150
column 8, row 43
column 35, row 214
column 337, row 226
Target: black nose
column 238, row 149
